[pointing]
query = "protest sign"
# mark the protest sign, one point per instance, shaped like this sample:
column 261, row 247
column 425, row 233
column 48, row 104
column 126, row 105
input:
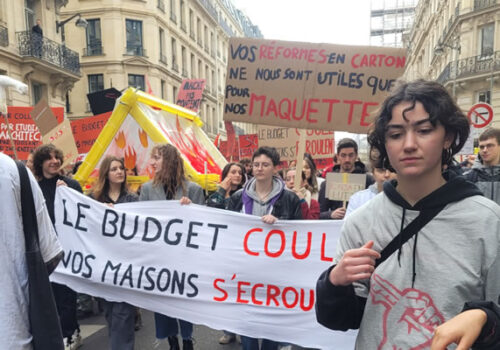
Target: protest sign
column 190, row 94
column 86, row 130
column 341, row 186
column 43, row 117
column 248, row 145
column 25, row 133
column 306, row 85
column 62, row 137
column 319, row 143
column 223, row 269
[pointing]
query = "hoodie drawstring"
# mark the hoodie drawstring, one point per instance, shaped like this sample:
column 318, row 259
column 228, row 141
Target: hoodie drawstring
column 414, row 276
column 401, row 236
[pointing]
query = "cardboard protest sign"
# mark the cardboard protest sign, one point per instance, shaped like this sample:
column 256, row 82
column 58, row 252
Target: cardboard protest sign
column 248, row 145
column 341, row 186
column 62, row 137
column 319, row 143
column 190, row 94
column 223, row 269
column 86, row 130
column 306, row 85
column 25, row 133
column 43, row 117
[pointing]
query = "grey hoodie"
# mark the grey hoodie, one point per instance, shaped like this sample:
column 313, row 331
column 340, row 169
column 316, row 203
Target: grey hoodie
column 262, row 207
column 456, row 260
column 487, row 179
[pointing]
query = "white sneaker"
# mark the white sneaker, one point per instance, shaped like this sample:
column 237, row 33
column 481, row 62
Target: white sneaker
column 74, row 342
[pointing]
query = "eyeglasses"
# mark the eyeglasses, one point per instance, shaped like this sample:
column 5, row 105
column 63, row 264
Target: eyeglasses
column 264, row 165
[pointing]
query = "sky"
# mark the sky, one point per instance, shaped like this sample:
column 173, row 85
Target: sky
column 345, row 22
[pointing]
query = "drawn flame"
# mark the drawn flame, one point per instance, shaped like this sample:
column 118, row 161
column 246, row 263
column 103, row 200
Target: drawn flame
column 130, row 158
column 144, row 138
column 120, row 140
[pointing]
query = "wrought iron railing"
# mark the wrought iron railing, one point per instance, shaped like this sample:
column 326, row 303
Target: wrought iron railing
column 135, row 51
column 209, row 7
column 470, row 66
column 4, row 36
column 34, row 45
column 481, row 4
column 226, row 27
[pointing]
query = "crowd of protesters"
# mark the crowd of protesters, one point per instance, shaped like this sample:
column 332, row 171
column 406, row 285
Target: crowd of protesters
column 426, row 293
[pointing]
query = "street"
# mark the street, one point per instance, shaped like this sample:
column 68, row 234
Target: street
column 95, row 335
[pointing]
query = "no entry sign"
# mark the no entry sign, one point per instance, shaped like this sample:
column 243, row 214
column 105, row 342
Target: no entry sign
column 480, row 115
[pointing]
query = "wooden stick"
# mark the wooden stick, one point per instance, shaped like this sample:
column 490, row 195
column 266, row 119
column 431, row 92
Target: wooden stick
column 300, row 160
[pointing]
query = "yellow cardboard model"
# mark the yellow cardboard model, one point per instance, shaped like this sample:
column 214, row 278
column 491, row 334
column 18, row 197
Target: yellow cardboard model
column 138, row 122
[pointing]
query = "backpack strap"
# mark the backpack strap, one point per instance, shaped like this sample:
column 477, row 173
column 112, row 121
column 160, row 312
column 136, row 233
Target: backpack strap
column 408, row 232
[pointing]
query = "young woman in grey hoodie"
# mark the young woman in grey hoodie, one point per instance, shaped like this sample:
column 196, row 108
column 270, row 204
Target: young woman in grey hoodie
column 440, row 283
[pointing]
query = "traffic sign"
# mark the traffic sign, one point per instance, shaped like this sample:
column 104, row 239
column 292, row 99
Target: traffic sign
column 480, row 115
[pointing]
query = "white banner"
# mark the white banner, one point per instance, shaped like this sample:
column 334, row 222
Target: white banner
column 208, row 266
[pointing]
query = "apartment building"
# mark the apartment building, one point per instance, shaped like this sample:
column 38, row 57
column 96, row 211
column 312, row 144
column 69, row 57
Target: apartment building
column 457, row 42
column 155, row 44
column 49, row 68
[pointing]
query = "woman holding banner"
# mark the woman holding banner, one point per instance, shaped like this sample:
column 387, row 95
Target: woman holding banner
column 170, row 183
column 232, row 179
column 111, row 188
column 404, row 293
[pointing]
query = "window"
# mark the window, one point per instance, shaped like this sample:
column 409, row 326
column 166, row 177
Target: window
column 173, row 17
column 484, row 96
column 134, row 37
column 198, row 30
column 184, row 63
column 200, row 70
column 193, row 66
column 213, row 82
column 162, row 84
column 29, row 13
column 96, row 82
column 136, row 81
column 161, row 34
column 94, row 43
column 215, row 121
column 174, row 55
column 486, row 41
column 174, row 94
column 36, row 92
column 182, row 14
column 191, row 24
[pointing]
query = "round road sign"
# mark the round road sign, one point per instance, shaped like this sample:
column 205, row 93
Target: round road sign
column 480, row 115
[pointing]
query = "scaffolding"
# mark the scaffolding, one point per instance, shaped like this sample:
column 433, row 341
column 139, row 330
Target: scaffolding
column 389, row 20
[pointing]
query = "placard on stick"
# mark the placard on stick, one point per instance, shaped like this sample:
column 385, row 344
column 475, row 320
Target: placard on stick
column 307, row 85
column 341, row 186
column 62, row 137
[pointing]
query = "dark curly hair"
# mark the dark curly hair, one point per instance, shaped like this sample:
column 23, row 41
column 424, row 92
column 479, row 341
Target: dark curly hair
column 436, row 101
column 41, row 154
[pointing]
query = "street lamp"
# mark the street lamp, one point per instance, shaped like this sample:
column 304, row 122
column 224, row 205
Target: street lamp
column 80, row 22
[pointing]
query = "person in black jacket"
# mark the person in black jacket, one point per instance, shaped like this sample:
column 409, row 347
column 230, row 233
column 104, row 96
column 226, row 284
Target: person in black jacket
column 347, row 153
column 265, row 195
column 47, row 161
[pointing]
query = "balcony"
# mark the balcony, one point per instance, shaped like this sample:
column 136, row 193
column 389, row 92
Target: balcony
column 93, row 50
column 470, row 67
column 481, row 4
column 135, row 51
column 226, row 27
column 4, row 36
column 209, row 7
column 33, row 45
column 161, row 5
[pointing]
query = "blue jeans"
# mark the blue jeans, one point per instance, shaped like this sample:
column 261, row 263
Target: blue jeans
column 248, row 343
column 167, row 326
column 121, row 323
